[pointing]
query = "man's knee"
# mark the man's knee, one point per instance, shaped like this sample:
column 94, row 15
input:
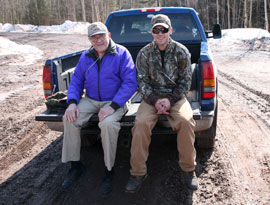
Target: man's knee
column 183, row 122
column 141, row 122
column 187, row 121
column 108, row 124
column 71, row 125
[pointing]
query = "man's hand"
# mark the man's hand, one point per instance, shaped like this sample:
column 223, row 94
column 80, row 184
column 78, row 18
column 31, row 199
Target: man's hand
column 104, row 112
column 163, row 106
column 72, row 112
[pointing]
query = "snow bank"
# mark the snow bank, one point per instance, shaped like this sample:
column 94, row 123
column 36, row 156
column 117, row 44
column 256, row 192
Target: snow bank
column 28, row 53
column 245, row 33
column 242, row 35
column 68, row 27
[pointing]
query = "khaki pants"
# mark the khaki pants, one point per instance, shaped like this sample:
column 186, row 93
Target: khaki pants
column 109, row 127
column 181, row 121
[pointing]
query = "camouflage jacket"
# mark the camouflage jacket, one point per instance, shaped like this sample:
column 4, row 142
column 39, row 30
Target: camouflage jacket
column 171, row 81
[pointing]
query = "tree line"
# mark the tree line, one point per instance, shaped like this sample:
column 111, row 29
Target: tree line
column 228, row 13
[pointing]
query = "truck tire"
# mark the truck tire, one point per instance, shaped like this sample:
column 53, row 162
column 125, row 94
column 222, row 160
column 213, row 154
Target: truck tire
column 206, row 139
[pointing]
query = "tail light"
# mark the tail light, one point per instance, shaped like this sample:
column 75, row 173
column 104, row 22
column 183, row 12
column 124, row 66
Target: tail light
column 208, row 80
column 47, row 81
column 150, row 9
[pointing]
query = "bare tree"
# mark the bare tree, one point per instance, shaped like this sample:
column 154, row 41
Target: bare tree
column 120, row 4
column 93, row 16
column 83, row 10
column 245, row 14
column 217, row 12
column 95, row 10
column 106, row 9
column 266, row 16
column 132, row 3
column 250, row 14
column 207, row 14
column 229, row 13
column 73, row 3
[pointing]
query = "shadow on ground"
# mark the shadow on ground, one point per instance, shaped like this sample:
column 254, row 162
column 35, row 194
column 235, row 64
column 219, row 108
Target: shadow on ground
column 39, row 181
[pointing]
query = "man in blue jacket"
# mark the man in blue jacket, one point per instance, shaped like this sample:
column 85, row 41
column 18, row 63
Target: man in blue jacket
column 107, row 73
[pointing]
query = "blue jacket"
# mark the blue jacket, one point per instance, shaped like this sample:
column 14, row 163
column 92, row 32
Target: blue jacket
column 111, row 79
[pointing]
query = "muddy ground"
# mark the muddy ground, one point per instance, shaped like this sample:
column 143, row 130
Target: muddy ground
column 236, row 171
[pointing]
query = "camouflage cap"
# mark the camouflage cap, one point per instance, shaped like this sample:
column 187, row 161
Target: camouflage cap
column 96, row 28
column 161, row 20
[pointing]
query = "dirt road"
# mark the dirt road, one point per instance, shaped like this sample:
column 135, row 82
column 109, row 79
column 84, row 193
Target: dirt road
column 237, row 171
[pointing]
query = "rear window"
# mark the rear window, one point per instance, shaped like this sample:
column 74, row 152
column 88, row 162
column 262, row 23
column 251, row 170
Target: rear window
column 136, row 28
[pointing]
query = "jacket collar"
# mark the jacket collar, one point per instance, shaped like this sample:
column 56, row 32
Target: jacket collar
column 92, row 53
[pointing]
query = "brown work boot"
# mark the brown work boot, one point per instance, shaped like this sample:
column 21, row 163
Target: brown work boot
column 135, row 183
column 191, row 180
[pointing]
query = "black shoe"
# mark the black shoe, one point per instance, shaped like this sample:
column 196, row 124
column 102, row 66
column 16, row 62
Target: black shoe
column 76, row 170
column 134, row 183
column 191, row 180
column 106, row 187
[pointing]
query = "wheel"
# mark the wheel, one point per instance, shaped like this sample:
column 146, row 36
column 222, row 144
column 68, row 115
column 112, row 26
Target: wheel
column 206, row 139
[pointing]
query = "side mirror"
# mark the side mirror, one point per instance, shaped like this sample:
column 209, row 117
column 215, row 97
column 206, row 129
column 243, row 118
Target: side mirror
column 217, row 31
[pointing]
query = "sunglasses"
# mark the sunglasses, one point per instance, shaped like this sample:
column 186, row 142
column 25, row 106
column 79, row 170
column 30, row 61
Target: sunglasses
column 162, row 30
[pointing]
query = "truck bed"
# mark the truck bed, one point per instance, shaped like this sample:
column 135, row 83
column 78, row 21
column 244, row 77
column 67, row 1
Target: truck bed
column 54, row 119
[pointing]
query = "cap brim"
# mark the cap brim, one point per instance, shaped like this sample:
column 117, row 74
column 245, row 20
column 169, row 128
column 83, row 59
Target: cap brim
column 99, row 32
column 161, row 24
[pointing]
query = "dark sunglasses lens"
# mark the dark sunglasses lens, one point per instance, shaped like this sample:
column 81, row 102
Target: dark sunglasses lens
column 162, row 30
column 155, row 30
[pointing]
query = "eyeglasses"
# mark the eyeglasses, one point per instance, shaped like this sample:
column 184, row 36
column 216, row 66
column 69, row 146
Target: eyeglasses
column 95, row 38
column 162, row 30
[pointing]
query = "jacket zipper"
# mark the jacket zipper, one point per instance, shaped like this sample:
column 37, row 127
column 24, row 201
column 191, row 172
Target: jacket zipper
column 98, row 64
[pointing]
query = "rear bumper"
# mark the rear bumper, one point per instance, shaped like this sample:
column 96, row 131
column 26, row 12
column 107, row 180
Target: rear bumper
column 55, row 126
column 203, row 124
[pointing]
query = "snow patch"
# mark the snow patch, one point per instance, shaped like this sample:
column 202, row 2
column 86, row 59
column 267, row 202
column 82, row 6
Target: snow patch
column 245, row 33
column 68, row 27
column 29, row 53
column 241, row 35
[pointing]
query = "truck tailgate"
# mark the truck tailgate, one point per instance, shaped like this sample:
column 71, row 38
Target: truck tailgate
column 128, row 117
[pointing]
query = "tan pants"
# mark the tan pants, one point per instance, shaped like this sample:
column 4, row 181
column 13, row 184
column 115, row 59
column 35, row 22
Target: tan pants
column 180, row 119
column 110, row 127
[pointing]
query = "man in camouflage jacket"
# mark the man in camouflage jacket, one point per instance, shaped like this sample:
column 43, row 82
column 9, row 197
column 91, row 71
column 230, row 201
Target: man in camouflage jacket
column 164, row 77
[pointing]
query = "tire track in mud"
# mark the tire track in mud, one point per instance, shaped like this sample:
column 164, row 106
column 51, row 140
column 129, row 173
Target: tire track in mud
column 258, row 102
column 243, row 123
column 258, row 93
column 244, row 148
column 15, row 126
column 29, row 166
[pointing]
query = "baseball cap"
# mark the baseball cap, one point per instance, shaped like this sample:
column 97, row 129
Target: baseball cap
column 161, row 20
column 96, row 28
